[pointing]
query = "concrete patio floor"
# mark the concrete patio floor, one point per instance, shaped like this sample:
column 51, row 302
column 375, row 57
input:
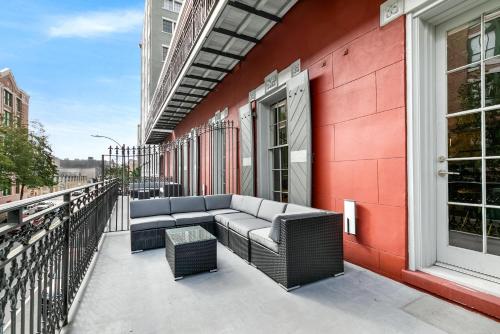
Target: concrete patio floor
column 136, row 293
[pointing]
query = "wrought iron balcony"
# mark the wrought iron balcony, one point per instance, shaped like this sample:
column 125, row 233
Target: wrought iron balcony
column 212, row 37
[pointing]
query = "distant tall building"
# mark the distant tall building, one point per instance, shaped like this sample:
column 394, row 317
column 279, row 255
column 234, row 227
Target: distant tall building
column 14, row 106
column 159, row 25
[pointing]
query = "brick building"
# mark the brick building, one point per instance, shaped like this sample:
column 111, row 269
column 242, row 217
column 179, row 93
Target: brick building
column 14, row 109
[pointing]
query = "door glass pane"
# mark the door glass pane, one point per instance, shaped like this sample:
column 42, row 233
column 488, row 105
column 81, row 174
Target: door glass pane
column 464, row 136
column 282, row 113
column 492, row 35
column 493, row 182
column 492, row 81
column 465, row 187
column 284, row 197
column 276, row 159
column 277, row 196
column 464, row 45
column 493, row 231
column 492, row 133
column 464, row 89
column 282, row 133
column 465, row 227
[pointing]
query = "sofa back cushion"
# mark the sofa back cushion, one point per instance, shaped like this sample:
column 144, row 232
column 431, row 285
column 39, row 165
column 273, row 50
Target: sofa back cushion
column 149, row 207
column 294, row 208
column 214, row 202
column 268, row 209
column 237, row 202
column 251, row 205
column 187, row 204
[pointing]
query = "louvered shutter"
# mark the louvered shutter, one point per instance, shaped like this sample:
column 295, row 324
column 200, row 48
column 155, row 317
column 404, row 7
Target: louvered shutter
column 299, row 139
column 246, row 144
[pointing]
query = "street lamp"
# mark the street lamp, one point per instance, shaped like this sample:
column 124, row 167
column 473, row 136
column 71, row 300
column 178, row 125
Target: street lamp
column 99, row 136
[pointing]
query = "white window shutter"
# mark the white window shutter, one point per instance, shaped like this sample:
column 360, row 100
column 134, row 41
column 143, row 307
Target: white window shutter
column 299, row 139
column 246, row 147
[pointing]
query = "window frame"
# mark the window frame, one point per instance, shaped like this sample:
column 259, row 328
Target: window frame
column 163, row 25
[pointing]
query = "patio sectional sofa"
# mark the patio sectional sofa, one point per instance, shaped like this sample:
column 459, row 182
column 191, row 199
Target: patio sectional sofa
column 292, row 244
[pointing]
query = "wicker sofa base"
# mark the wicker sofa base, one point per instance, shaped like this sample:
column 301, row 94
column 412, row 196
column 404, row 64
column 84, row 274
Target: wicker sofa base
column 221, row 233
column 239, row 245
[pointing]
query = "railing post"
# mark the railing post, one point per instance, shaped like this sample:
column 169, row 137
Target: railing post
column 65, row 256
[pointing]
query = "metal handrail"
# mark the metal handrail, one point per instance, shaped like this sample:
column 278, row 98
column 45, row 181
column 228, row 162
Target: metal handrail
column 37, row 199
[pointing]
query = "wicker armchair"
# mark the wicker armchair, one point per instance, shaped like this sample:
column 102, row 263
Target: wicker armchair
column 310, row 249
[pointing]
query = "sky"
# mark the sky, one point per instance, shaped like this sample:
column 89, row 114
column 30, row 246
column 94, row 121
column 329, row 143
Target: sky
column 80, row 63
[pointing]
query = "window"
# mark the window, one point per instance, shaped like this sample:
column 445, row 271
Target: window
column 19, row 104
column 173, row 6
column 6, row 118
column 168, row 26
column 7, row 98
column 164, row 52
column 279, row 151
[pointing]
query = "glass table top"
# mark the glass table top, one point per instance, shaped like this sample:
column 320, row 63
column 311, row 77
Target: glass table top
column 189, row 234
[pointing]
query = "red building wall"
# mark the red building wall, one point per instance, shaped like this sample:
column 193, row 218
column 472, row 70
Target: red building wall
column 357, row 83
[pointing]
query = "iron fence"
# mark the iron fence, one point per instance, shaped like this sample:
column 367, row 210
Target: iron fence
column 45, row 255
column 202, row 162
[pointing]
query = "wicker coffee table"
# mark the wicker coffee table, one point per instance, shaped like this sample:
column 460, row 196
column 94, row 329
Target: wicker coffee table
column 190, row 250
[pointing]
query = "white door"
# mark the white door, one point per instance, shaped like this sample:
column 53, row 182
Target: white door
column 468, row 142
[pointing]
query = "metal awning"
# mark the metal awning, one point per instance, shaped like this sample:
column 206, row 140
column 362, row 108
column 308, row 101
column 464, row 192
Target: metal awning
column 238, row 26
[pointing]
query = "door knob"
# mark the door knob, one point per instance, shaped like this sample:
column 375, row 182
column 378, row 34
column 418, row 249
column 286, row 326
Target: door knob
column 443, row 172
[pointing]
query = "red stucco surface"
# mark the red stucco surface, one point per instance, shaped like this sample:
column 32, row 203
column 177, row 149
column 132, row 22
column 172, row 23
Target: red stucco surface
column 357, row 80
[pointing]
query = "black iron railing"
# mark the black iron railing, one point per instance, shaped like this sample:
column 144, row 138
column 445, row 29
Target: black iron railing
column 191, row 22
column 45, row 255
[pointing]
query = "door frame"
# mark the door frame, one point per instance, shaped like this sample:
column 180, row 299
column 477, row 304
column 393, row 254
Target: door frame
column 421, row 25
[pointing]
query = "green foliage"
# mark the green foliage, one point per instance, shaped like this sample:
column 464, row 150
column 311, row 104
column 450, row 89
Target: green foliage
column 26, row 157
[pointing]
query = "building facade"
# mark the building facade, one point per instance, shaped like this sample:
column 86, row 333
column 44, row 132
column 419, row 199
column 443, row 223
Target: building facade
column 14, row 110
column 394, row 105
column 159, row 25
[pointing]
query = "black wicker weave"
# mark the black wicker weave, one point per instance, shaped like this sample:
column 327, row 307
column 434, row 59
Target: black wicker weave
column 190, row 250
column 147, row 239
column 310, row 249
column 221, row 233
column 240, row 245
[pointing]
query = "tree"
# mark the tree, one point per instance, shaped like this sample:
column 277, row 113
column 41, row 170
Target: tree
column 26, row 156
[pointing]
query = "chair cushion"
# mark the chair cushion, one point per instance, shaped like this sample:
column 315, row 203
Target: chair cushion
column 274, row 233
column 214, row 202
column 221, row 211
column 251, row 205
column 294, row 208
column 244, row 226
column 149, row 207
column 268, row 209
column 148, row 223
column 187, row 204
column 261, row 236
column 224, row 219
column 190, row 218
column 237, row 202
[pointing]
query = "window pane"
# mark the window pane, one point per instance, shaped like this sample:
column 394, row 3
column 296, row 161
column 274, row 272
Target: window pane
column 276, row 159
column 284, row 157
column 167, row 26
column 492, row 35
column 284, row 181
column 276, row 181
column 492, row 81
column 284, row 197
column 282, row 133
column 493, row 181
column 465, row 227
column 464, row 89
column 277, row 196
column 464, row 45
column 492, row 132
column 493, row 231
column 282, row 113
column 466, row 186
column 464, row 136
